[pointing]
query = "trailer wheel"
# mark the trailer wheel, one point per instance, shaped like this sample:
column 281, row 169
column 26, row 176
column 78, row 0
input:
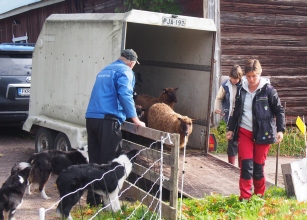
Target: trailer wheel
column 44, row 139
column 62, row 142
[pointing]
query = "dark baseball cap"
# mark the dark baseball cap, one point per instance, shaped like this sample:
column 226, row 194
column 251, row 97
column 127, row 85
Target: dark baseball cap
column 130, row 55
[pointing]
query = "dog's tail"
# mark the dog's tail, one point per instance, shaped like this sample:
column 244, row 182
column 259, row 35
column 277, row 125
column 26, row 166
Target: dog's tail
column 19, row 166
column 23, row 165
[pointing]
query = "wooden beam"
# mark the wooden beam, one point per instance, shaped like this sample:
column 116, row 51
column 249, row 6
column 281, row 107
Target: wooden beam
column 262, row 29
column 295, row 3
column 152, row 176
column 280, row 9
column 149, row 133
column 148, row 153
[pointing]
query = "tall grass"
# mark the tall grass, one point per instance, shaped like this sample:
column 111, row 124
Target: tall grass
column 293, row 144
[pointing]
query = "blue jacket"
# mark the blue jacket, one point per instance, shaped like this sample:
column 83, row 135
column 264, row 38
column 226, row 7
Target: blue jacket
column 113, row 93
column 266, row 106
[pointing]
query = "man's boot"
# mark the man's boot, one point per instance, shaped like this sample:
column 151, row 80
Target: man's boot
column 231, row 159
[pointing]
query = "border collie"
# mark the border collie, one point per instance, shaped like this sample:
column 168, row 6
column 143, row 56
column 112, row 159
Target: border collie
column 13, row 189
column 109, row 181
column 50, row 162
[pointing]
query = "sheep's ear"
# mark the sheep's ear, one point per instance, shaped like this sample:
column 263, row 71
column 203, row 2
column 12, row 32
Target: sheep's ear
column 164, row 91
column 180, row 119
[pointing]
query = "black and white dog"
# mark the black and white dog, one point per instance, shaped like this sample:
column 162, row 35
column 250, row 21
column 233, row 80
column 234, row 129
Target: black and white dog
column 13, row 189
column 110, row 179
column 50, row 162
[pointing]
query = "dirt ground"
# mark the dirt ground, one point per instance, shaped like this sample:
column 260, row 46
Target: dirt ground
column 17, row 145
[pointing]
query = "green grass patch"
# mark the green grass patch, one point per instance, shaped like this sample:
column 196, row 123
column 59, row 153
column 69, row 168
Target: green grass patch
column 293, row 144
column 274, row 205
column 133, row 211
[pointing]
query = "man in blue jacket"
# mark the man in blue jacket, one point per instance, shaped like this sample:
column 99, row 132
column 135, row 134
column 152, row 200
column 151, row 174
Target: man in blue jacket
column 111, row 102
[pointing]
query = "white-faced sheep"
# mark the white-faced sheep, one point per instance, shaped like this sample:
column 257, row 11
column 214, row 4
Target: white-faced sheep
column 168, row 96
column 162, row 117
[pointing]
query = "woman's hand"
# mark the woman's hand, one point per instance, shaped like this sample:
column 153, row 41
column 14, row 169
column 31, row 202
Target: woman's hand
column 219, row 112
column 279, row 137
column 229, row 135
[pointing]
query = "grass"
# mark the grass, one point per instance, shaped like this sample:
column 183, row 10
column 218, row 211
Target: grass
column 293, row 144
column 131, row 211
column 274, row 205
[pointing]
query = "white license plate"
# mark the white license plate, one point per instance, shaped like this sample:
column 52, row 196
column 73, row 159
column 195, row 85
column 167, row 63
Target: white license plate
column 176, row 22
column 24, row 91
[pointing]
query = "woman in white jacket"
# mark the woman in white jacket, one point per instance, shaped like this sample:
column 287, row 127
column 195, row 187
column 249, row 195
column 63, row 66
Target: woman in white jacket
column 224, row 104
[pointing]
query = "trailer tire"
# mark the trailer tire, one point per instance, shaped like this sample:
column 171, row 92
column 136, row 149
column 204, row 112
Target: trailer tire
column 44, row 139
column 62, row 142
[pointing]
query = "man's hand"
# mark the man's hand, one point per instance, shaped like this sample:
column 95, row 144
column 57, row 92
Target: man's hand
column 229, row 135
column 137, row 122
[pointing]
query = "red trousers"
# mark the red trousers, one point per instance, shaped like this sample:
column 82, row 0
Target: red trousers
column 252, row 158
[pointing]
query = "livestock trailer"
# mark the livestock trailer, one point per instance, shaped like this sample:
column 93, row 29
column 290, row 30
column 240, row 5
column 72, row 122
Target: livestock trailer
column 174, row 51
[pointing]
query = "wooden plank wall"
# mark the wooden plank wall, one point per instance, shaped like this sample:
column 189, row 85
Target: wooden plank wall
column 274, row 32
column 31, row 22
column 192, row 8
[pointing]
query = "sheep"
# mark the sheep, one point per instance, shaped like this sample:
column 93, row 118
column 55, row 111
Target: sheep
column 162, row 117
column 168, row 96
column 139, row 111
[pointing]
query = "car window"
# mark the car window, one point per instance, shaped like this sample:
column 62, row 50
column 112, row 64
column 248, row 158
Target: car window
column 15, row 64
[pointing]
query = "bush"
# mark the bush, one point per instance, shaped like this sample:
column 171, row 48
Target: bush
column 292, row 145
column 220, row 135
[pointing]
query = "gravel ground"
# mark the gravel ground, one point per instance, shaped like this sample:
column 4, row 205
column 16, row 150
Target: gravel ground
column 17, row 145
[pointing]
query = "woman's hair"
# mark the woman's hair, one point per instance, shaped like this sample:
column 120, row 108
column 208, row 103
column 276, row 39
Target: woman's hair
column 236, row 72
column 252, row 65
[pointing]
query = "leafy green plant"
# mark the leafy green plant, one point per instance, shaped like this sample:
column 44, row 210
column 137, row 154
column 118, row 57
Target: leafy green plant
column 274, row 205
column 164, row 6
column 293, row 144
column 139, row 211
column 220, row 135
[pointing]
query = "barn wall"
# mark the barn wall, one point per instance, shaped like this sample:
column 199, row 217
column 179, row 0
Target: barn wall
column 31, row 22
column 192, row 8
column 274, row 32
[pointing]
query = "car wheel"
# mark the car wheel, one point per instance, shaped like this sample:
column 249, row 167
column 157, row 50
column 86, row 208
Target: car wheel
column 44, row 139
column 62, row 142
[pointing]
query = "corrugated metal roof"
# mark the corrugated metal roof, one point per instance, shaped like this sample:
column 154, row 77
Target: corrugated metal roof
column 9, row 5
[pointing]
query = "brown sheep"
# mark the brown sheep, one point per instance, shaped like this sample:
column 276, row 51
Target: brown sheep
column 162, row 117
column 168, row 96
